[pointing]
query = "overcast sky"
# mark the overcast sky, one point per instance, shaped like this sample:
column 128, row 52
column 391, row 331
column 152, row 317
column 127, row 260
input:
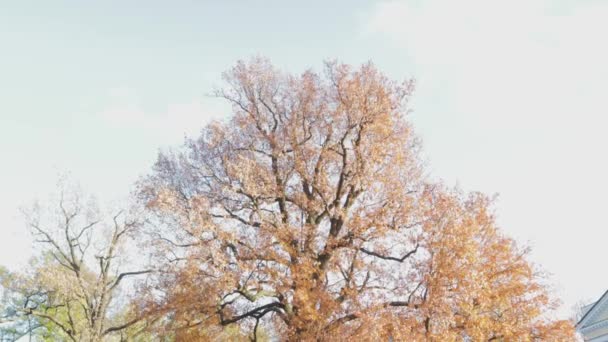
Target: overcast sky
column 510, row 100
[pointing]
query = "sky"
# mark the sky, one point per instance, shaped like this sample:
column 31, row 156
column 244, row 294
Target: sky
column 510, row 100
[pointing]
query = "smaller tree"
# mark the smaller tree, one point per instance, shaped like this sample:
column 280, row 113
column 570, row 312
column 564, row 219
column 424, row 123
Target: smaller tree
column 72, row 290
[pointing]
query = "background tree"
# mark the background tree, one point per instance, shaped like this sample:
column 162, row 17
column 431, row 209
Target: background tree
column 308, row 214
column 73, row 291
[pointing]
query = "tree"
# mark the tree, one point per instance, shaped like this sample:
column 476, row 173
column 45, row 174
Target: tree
column 309, row 214
column 72, row 291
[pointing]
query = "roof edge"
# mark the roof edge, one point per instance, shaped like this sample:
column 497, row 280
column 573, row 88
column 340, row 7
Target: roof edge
column 586, row 315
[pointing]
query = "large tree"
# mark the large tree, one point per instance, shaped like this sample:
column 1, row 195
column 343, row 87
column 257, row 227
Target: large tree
column 308, row 214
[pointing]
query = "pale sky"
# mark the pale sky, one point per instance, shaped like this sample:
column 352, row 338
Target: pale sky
column 510, row 100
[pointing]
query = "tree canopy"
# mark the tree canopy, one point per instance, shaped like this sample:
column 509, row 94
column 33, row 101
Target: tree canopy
column 72, row 290
column 309, row 213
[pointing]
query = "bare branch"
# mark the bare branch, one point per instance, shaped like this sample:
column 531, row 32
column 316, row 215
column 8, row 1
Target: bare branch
column 398, row 259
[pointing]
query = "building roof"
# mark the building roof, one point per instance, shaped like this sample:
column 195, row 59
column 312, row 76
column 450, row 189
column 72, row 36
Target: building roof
column 595, row 306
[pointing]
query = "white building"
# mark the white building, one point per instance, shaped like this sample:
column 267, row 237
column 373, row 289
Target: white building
column 594, row 323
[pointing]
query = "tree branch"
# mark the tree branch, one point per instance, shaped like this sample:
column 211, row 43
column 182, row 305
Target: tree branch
column 398, row 259
column 126, row 274
column 255, row 313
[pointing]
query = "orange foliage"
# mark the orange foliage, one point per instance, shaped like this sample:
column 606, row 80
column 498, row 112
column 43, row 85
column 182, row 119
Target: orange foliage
column 308, row 215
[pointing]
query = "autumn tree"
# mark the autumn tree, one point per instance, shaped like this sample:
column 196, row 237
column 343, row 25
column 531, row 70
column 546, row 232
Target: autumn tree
column 308, row 213
column 72, row 291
